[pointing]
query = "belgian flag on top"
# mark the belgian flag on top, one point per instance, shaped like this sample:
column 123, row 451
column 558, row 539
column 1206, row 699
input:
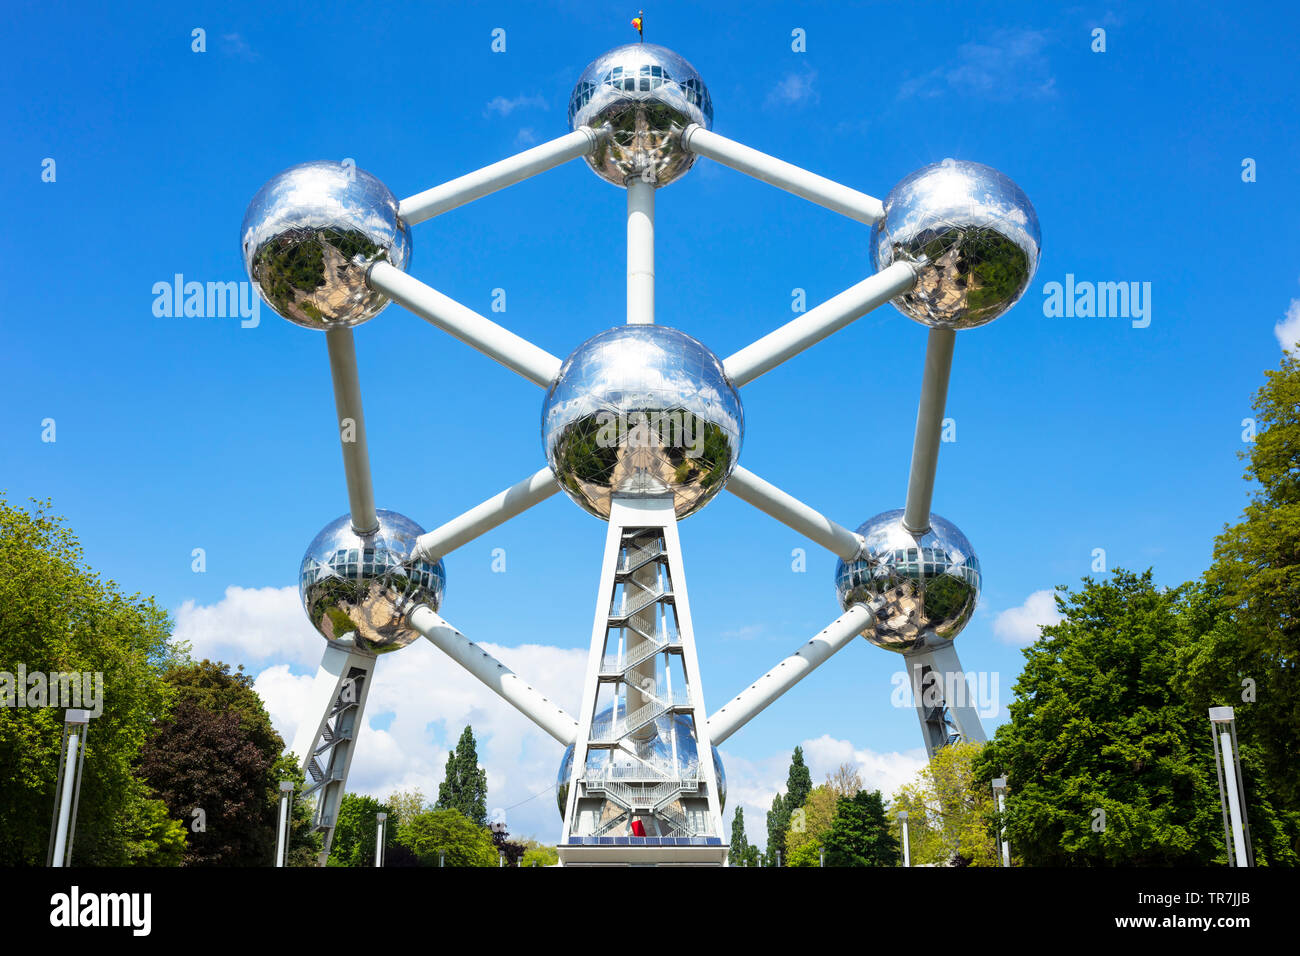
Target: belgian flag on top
column 637, row 22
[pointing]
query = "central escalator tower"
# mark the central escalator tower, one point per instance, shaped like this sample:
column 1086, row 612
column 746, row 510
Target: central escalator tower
column 642, row 783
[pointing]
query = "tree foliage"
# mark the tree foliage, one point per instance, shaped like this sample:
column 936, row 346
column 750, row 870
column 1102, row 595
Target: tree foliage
column 356, row 827
column 448, row 833
column 859, row 834
column 57, row 615
column 465, row 786
column 809, row 826
column 950, row 812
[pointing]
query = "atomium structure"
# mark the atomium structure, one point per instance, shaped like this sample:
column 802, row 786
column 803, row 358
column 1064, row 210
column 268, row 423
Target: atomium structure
column 642, row 425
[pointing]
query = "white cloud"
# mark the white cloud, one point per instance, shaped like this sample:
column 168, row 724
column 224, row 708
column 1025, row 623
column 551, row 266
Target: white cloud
column 794, row 88
column 526, row 136
column 752, row 784
column 1020, row 625
column 1011, row 65
column 504, row 106
column 251, row 626
column 1288, row 330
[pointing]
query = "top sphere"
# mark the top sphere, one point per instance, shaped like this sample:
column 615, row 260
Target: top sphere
column 922, row 586
column 309, row 236
column 974, row 236
column 646, row 95
column 642, row 410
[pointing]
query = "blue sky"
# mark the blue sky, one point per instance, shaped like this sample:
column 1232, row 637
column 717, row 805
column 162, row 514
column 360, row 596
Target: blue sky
column 1072, row 433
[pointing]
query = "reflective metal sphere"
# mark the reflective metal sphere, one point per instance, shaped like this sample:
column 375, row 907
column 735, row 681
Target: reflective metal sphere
column 974, row 232
column 919, row 584
column 309, row 236
column 642, row 409
column 562, row 779
column 358, row 589
column 647, row 95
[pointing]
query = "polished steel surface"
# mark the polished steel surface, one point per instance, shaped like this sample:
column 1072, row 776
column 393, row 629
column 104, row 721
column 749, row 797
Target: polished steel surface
column 973, row 233
column 642, row 409
column 562, row 778
column 358, row 589
column 309, row 236
column 920, row 586
column 646, row 95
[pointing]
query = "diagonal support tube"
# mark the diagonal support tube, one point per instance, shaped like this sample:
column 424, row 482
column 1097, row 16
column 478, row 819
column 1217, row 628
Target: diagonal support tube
column 783, row 175
column 929, row 430
column 753, row 700
column 499, row 678
column 814, row 325
column 515, row 353
column 792, row 512
column 482, row 518
column 489, row 179
column 352, row 429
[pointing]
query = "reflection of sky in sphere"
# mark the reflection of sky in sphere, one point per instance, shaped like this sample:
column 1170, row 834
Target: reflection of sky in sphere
column 965, row 193
column 317, row 194
column 640, row 71
column 642, row 367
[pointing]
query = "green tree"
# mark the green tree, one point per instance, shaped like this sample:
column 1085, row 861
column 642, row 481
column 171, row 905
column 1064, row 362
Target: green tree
column 539, row 854
column 739, row 841
column 448, row 833
column 465, row 786
column 57, row 615
column 1095, row 727
column 777, row 820
column 798, row 782
column 218, row 753
column 809, row 825
column 355, row 829
column 1252, row 661
column 950, row 812
column 860, row 833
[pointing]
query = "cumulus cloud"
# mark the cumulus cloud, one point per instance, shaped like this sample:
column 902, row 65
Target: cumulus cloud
column 753, row 783
column 251, row 626
column 1011, row 65
column 504, row 105
column 420, row 698
column 794, row 88
column 1020, row 625
column 1288, row 330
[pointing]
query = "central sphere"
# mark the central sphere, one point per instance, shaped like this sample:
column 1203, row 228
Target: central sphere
column 642, row 410
column 359, row 588
column 646, row 95
column 973, row 235
column 921, row 585
column 309, row 237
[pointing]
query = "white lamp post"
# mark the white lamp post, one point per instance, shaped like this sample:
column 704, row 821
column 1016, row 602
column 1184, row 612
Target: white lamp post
column 907, row 854
column 1000, row 794
column 282, row 831
column 1236, row 827
column 381, row 819
column 72, row 756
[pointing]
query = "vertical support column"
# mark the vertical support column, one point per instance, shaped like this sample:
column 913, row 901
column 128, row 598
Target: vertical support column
column 325, row 747
column 640, row 252
column 929, row 429
column 942, row 697
column 1000, row 794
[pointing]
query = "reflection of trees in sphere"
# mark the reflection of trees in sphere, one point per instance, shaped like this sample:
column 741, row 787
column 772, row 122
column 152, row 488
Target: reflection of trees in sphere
column 975, row 234
column 309, row 236
column 642, row 409
column 647, row 95
column 359, row 588
column 919, row 584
